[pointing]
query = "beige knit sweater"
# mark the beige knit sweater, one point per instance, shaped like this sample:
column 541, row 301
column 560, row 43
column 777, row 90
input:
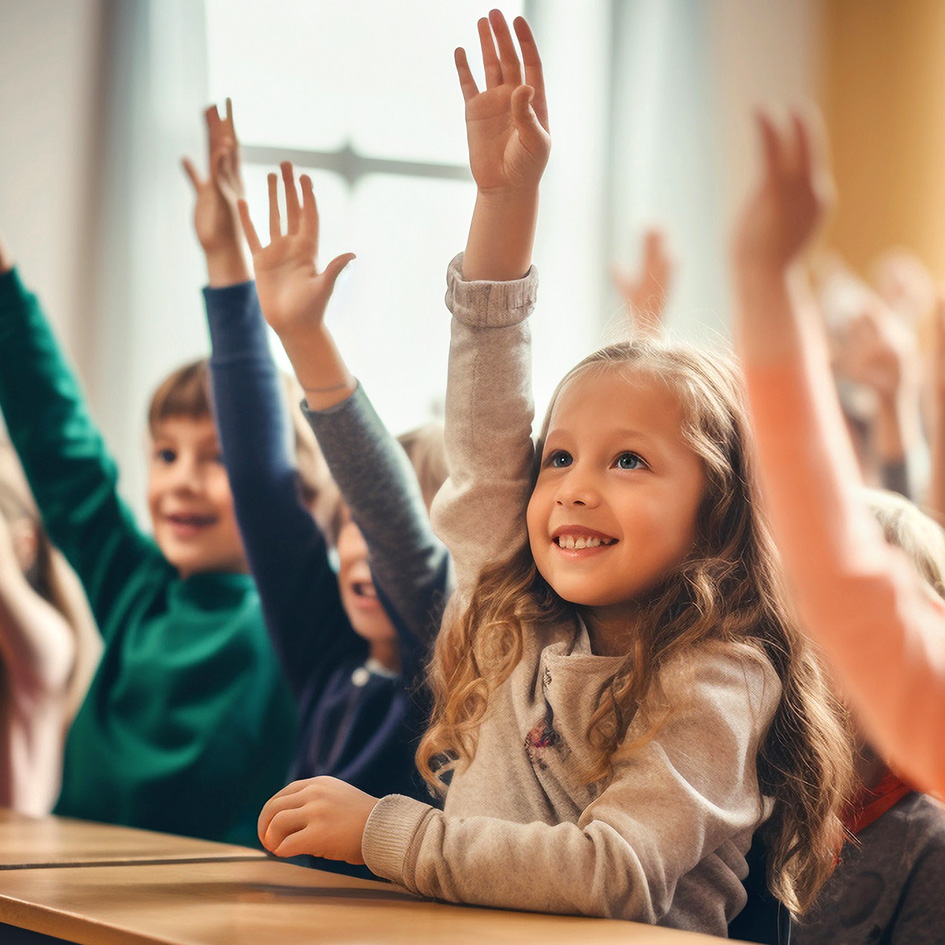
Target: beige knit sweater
column 664, row 842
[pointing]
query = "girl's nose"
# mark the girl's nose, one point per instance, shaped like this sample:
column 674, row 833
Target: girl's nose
column 578, row 489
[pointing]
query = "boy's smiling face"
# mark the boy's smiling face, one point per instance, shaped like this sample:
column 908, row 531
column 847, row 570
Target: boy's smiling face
column 189, row 498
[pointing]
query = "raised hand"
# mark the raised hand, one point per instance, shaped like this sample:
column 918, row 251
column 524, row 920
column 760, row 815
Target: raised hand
column 216, row 216
column 877, row 349
column 321, row 816
column 292, row 292
column 787, row 209
column 507, row 123
column 645, row 292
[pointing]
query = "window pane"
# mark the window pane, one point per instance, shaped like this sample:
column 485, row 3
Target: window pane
column 390, row 321
column 314, row 74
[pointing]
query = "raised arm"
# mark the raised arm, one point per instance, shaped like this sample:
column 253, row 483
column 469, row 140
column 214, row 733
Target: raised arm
column 368, row 465
column 881, row 629
column 70, row 473
column 287, row 552
column 480, row 511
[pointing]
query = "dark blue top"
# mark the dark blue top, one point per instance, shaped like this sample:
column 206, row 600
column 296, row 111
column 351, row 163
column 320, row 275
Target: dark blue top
column 356, row 725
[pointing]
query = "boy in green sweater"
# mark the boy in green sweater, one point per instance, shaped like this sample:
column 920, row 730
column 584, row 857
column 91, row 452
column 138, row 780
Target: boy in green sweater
column 188, row 725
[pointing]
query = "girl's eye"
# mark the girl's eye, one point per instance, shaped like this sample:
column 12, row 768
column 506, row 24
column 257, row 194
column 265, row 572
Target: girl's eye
column 166, row 456
column 630, row 461
column 559, row 459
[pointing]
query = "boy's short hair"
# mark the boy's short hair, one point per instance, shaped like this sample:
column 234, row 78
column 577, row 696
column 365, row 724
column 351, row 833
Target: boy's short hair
column 909, row 528
column 183, row 393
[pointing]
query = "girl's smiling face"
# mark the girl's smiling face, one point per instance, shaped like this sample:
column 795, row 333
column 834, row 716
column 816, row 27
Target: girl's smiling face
column 614, row 508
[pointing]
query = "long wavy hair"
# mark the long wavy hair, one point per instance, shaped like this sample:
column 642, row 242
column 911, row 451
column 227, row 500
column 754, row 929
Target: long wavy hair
column 727, row 589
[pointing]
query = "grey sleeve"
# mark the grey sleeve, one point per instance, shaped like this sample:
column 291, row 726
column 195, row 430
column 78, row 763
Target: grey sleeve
column 408, row 562
column 480, row 511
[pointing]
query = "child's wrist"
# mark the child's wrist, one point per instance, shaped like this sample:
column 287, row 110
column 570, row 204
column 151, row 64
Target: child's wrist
column 227, row 266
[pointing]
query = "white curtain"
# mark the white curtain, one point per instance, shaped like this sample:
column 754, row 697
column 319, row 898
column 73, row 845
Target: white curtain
column 147, row 267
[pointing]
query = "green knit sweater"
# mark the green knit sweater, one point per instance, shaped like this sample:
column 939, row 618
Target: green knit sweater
column 188, row 725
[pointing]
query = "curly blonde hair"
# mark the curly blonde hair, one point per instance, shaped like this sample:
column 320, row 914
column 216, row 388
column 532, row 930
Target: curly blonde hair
column 728, row 589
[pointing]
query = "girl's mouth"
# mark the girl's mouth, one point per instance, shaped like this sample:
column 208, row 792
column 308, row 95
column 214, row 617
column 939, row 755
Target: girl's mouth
column 580, row 542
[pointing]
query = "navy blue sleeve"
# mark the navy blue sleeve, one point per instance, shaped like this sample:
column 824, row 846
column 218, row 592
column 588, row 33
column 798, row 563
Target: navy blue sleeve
column 287, row 552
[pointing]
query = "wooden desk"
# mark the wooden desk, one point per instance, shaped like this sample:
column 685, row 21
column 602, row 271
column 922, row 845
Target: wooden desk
column 263, row 902
column 27, row 842
column 95, row 884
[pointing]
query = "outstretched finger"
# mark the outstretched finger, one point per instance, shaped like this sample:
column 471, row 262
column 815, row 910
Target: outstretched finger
column 249, row 231
column 309, row 210
column 292, row 210
column 212, row 117
column 770, row 143
column 533, row 71
column 229, row 117
column 508, row 54
column 490, row 59
column 275, row 223
column 466, row 81
column 192, row 172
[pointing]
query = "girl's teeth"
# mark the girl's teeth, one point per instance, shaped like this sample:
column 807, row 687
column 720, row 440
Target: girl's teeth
column 569, row 542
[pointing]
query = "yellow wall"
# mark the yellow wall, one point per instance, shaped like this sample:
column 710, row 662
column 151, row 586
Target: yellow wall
column 884, row 101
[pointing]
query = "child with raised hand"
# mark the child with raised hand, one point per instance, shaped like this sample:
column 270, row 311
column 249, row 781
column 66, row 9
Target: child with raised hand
column 881, row 628
column 353, row 645
column 888, row 884
column 188, row 724
column 620, row 702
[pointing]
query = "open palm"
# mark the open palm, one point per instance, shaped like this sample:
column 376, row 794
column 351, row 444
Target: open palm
column 790, row 205
column 507, row 123
column 292, row 292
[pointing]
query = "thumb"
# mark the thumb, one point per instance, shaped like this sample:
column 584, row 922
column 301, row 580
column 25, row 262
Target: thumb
column 334, row 269
column 529, row 128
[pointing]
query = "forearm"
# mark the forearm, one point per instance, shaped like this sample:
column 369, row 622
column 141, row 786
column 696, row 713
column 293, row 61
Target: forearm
column 227, row 266
column 855, row 596
column 319, row 367
column 501, row 236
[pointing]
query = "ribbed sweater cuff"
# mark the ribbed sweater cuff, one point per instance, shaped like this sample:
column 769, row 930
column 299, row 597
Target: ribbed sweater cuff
column 485, row 304
column 389, row 833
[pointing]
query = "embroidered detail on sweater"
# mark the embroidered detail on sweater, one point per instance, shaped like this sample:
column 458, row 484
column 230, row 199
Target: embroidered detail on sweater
column 543, row 738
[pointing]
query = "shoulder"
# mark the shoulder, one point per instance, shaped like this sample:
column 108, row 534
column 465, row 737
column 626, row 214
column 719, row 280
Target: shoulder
column 723, row 674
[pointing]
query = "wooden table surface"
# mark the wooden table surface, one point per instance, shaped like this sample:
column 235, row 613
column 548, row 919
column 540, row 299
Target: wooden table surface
column 241, row 902
column 95, row 884
column 27, row 842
